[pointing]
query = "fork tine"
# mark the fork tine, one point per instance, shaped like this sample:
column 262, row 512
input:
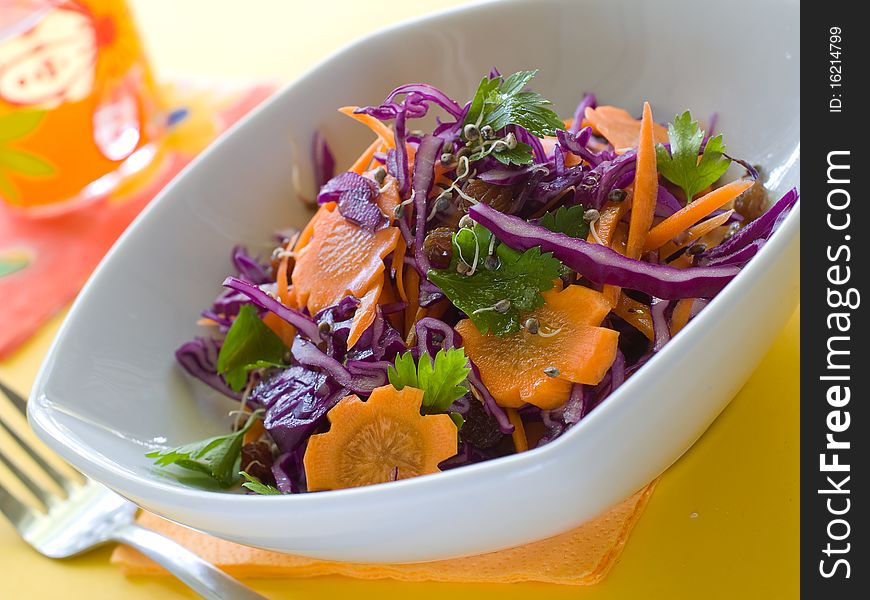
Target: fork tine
column 19, row 402
column 64, row 482
column 16, row 511
column 31, row 485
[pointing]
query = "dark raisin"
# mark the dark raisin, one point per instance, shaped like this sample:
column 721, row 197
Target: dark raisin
column 500, row 197
column 752, row 203
column 480, row 429
column 438, row 247
column 257, row 461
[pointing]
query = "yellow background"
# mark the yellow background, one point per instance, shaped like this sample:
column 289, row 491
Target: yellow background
column 723, row 523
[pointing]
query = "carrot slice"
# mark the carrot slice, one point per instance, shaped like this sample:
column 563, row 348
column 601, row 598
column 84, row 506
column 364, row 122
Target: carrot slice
column 620, row 128
column 646, row 185
column 681, row 314
column 382, row 131
column 635, row 314
column 521, row 442
column 342, row 259
column 696, row 232
column 513, row 367
column 693, row 212
column 379, row 440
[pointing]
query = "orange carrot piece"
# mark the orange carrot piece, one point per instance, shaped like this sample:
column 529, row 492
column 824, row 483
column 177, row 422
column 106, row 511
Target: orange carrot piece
column 681, row 314
column 620, row 128
column 206, row 322
column 382, row 131
column 635, row 314
column 696, row 232
column 365, row 159
column 515, row 367
column 611, row 214
column 693, row 212
column 389, row 199
column 399, row 267
column 646, row 185
column 521, row 442
column 341, row 259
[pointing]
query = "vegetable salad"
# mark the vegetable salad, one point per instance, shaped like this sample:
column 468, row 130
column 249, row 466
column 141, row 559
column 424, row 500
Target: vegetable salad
column 467, row 292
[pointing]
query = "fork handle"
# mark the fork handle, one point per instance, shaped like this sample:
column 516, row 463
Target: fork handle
column 201, row 576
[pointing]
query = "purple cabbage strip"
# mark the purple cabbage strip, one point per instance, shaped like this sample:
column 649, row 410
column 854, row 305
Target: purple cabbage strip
column 575, row 143
column 757, row 229
column 661, row 330
column 304, row 324
column 503, row 175
column 289, row 471
column 431, row 94
column 427, row 327
column 296, row 399
column 199, row 358
column 403, row 177
column 356, row 197
column 588, row 101
column 322, row 159
column 424, row 177
column 738, row 257
column 309, row 355
column 429, row 293
column 489, row 403
column 602, row 265
column 368, row 375
column 525, row 137
column 617, row 370
column 248, row 268
column 666, row 203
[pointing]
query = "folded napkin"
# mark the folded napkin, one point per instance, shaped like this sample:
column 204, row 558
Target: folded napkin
column 582, row 556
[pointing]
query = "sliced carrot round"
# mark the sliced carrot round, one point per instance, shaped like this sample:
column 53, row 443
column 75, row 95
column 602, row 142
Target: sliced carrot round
column 540, row 368
column 379, row 440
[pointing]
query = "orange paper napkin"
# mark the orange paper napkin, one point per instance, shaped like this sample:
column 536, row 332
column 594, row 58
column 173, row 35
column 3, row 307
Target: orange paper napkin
column 582, row 556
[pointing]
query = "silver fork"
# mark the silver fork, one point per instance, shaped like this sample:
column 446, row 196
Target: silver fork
column 91, row 515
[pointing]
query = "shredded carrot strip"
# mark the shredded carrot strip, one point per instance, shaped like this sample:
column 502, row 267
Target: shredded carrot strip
column 254, row 433
column 611, row 214
column 681, row 314
column 693, row 212
column 381, row 130
column 521, row 443
column 635, row 314
column 399, row 266
column 696, row 232
column 206, row 322
column 646, row 185
column 437, row 310
column 365, row 159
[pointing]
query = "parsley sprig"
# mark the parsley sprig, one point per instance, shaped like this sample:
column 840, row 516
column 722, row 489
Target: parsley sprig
column 503, row 101
column 492, row 283
column 217, row 458
column 681, row 165
column 441, row 379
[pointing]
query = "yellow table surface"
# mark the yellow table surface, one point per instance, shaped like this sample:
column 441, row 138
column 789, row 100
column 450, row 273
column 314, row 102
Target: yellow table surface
column 723, row 522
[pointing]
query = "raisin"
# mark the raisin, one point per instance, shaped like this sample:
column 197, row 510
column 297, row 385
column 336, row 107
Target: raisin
column 752, row 203
column 257, row 461
column 438, row 247
column 480, row 429
column 500, row 197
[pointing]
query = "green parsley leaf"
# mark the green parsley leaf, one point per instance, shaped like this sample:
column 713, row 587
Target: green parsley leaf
column 216, row 457
column 519, row 278
column 567, row 220
column 458, row 419
column 249, row 345
column 441, row 380
column 258, row 487
column 521, row 154
column 500, row 102
column 681, row 165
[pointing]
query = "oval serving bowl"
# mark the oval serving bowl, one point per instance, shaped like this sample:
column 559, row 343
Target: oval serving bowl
column 109, row 389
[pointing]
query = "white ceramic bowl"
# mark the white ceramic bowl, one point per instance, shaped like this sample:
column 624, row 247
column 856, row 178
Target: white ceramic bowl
column 110, row 387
